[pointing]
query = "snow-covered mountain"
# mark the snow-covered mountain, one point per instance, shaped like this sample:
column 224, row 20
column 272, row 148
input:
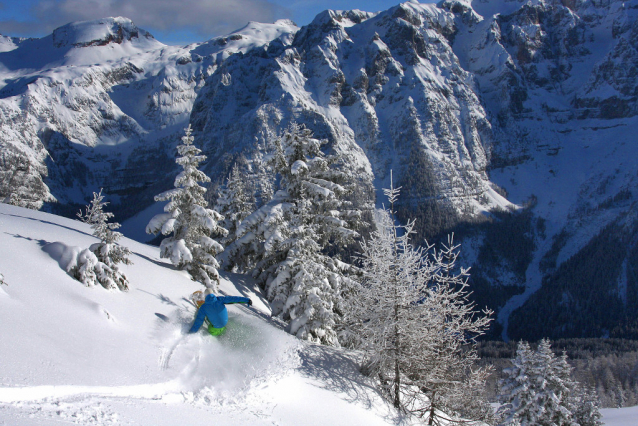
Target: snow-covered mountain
column 474, row 105
column 556, row 79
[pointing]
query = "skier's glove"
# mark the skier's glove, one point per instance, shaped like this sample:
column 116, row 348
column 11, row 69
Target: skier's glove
column 250, row 302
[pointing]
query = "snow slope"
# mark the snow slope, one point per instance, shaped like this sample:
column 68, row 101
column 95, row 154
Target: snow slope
column 620, row 417
column 91, row 356
column 72, row 354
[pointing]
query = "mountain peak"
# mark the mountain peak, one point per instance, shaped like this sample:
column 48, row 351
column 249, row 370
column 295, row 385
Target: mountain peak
column 342, row 18
column 9, row 43
column 99, row 32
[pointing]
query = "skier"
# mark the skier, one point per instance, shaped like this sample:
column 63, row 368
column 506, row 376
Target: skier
column 215, row 311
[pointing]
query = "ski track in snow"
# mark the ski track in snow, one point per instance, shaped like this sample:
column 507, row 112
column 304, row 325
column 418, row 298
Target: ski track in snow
column 167, row 353
column 191, row 385
column 39, row 393
column 89, row 411
column 95, row 370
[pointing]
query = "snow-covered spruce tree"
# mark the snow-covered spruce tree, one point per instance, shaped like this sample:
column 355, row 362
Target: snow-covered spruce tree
column 235, row 202
column 264, row 178
column 552, row 376
column 189, row 220
column 518, row 394
column 416, row 327
column 586, row 407
column 539, row 390
column 99, row 263
column 284, row 242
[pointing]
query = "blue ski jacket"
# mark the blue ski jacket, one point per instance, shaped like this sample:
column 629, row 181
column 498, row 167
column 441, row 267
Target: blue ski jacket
column 215, row 310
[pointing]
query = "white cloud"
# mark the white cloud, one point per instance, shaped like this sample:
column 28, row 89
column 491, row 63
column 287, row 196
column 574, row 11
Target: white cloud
column 206, row 18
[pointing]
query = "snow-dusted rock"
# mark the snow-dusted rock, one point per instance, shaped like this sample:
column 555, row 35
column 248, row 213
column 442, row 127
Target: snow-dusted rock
column 98, row 33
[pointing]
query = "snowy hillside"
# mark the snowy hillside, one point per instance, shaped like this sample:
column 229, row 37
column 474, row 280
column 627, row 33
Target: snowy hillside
column 91, row 356
column 74, row 354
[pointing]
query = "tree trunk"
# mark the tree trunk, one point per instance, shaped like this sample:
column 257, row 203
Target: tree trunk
column 397, row 371
column 432, row 414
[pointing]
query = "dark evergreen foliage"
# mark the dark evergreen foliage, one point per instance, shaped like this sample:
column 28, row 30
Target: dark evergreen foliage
column 508, row 243
column 581, row 298
column 433, row 219
column 548, row 262
column 509, row 236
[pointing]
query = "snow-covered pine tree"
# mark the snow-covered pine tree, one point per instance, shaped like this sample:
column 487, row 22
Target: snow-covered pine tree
column 416, row 327
column 518, row 394
column 235, row 202
column 620, row 396
column 94, row 212
column 284, row 242
column 189, row 220
column 264, row 178
column 99, row 263
column 554, row 386
column 586, row 407
column 539, row 390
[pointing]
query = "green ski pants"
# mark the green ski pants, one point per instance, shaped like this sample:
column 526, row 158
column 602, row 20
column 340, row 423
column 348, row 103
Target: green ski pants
column 215, row 331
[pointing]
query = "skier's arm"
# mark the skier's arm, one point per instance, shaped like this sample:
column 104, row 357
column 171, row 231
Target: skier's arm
column 199, row 320
column 229, row 300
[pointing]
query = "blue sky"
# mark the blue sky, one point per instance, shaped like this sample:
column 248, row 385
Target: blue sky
column 170, row 21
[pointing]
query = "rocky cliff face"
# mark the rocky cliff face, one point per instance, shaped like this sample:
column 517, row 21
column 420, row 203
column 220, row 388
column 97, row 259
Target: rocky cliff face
column 386, row 90
column 526, row 106
column 558, row 79
column 100, row 104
